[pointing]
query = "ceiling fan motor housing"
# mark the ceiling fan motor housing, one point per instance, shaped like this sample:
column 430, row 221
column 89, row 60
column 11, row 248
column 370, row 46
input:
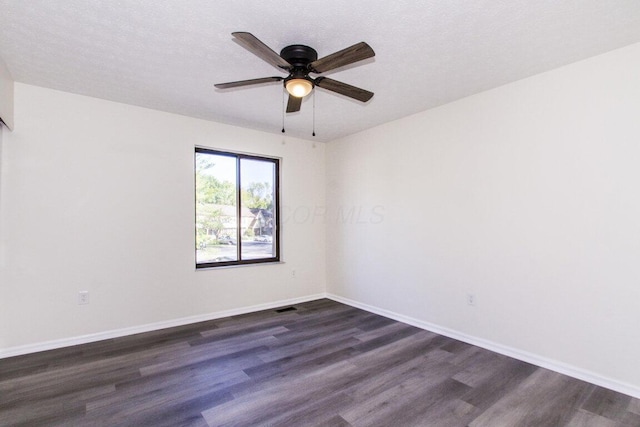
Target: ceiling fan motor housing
column 299, row 55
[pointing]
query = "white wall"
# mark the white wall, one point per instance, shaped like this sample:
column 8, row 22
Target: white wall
column 527, row 196
column 98, row 196
column 6, row 95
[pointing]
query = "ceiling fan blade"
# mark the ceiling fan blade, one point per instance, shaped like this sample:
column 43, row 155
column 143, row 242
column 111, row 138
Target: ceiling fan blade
column 255, row 46
column 247, row 82
column 347, row 56
column 344, row 89
column 293, row 104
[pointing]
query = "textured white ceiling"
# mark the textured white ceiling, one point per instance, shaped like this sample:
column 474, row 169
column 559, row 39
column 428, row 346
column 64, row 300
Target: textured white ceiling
column 167, row 54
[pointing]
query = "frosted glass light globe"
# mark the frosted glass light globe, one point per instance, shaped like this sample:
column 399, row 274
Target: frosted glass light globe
column 299, row 87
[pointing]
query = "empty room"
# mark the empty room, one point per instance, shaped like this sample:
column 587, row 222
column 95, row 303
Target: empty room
column 362, row 213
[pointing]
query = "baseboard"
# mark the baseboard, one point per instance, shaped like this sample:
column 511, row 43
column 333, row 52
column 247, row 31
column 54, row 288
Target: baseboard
column 534, row 359
column 85, row 339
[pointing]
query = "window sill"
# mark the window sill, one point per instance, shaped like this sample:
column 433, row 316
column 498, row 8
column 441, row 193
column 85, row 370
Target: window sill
column 224, row 267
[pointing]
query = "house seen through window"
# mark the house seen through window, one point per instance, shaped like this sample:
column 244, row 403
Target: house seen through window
column 237, row 198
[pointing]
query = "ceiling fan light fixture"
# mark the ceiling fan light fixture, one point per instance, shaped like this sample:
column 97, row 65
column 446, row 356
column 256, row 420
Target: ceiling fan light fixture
column 299, row 87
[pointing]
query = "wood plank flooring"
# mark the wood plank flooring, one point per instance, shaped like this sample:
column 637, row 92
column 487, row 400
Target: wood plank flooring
column 324, row 364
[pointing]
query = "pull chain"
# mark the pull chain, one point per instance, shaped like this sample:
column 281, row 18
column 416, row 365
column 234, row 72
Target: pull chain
column 314, row 114
column 283, row 110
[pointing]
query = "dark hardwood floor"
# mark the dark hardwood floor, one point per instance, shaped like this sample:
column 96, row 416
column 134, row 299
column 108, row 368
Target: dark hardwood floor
column 325, row 364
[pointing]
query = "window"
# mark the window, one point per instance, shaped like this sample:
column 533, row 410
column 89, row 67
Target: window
column 237, row 200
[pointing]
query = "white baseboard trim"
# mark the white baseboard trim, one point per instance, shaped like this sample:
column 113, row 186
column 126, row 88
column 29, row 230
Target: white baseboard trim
column 85, row 339
column 534, row 359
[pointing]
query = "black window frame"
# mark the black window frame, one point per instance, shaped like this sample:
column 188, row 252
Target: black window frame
column 276, row 233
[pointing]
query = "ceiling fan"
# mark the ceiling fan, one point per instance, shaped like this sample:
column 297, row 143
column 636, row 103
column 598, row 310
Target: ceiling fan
column 300, row 61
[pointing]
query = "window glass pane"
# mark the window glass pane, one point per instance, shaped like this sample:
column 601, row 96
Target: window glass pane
column 216, row 208
column 258, row 182
column 236, row 208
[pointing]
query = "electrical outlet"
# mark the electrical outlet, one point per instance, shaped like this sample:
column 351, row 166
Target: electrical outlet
column 83, row 297
column 293, row 273
column 471, row 299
